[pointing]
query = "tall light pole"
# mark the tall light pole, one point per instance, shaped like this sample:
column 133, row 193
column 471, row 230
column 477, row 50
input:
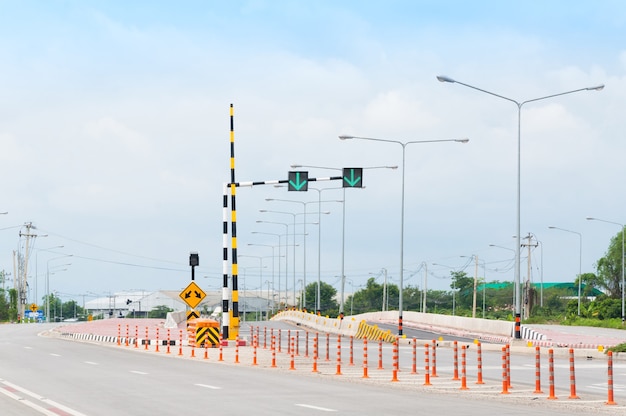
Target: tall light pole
column 272, row 282
column 404, row 145
column 580, row 259
column 519, row 104
column 279, row 256
column 286, row 255
column 37, row 266
column 304, row 212
column 260, row 275
column 343, row 231
column 293, row 214
column 622, row 259
column 48, row 284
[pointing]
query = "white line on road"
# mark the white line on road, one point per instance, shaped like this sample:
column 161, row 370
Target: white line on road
column 323, row 409
column 91, row 362
column 208, row 387
column 51, row 403
column 55, row 355
column 138, row 372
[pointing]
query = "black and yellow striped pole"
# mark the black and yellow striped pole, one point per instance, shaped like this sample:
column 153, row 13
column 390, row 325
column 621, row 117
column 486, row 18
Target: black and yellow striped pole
column 225, row 292
column 233, row 208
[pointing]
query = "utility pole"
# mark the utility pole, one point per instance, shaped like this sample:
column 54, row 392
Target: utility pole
column 385, row 291
column 527, row 298
column 22, row 284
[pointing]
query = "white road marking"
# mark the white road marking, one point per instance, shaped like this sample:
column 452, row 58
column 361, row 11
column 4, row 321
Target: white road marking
column 323, row 409
column 91, row 362
column 29, row 348
column 208, row 387
column 55, row 355
column 50, row 403
column 138, row 372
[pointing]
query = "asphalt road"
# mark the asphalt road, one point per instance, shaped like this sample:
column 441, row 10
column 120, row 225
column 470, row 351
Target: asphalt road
column 52, row 376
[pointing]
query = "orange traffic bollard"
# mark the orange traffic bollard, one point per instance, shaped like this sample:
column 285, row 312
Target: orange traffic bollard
column 338, row 373
column 237, row 350
column 572, row 376
column 292, row 365
column 426, row 365
column 610, row 400
column 538, row 371
column 380, row 353
column 254, row 343
column 351, row 362
column 315, row 351
column 180, row 343
column 505, row 382
column 551, row 374
column 394, row 366
column 157, row 340
column 221, row 351
column 167, row 350
column 365, row 358
column 146, row 341
column 273, row 351
column 136, row 337
column 433, row 371
column 456, row 361
column 463, row 369
column 479, row 360
column 414, row 367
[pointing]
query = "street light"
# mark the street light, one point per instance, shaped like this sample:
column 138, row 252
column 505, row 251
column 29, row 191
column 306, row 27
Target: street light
column 475, row 257
column 294, row 251
column 343, row 231
column 580, row 259
column 622, row 259
column 304, row 204
column 404, row 145
column 286, row 254
column 260, row 274
column 37, row 265
column 272, row 247
column 48, row 284
column 519, row 104
column 279, row 255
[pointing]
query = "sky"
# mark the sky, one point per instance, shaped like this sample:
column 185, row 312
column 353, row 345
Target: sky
column 115, row 140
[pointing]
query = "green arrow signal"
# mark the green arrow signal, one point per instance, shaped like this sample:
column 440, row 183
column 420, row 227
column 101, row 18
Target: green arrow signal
column 352, row 177
column 298, row 181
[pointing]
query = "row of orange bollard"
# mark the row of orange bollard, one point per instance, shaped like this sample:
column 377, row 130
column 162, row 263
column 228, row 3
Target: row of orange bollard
column 430, row 358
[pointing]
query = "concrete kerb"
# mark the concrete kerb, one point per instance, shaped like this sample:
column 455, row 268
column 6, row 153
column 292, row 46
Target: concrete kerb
column 501, row 332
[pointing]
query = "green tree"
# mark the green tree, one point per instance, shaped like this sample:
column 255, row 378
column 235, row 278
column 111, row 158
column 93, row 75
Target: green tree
column 328, row 304
column 159, row 312
column 609, row 268
column 370, row 298
column 4, row 306
column 412, row 299
column 464, row 285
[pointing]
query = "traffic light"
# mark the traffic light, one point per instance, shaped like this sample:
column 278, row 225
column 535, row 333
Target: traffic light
column 298, row 181
column 128, row 301
column 352, row 177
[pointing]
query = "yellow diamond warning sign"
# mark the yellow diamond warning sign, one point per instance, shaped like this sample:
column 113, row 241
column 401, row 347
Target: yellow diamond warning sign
column 192, row 295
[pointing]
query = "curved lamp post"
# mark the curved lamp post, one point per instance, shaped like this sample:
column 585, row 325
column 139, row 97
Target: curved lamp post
column 343, row 231
column 580, row 259
column 48, row 284
column 519, row 104
column 404, row 145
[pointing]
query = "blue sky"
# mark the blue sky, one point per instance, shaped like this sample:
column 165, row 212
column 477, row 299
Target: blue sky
column 114, row 133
